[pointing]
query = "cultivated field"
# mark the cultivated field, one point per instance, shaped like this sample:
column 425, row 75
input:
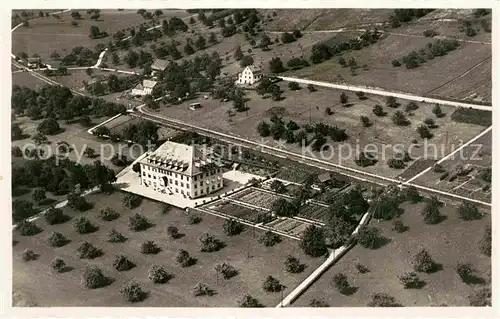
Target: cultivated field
column 472, row 160
column 25, row 79
column 449, row 242
column 31, row 279
column 302, row 106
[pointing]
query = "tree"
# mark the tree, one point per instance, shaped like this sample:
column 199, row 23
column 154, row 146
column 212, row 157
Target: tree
column 101, row 131
column 28, row 255
column 38, row 195
column 343, row 98
column 293, row 265
column 16, row 132
column 94, row 278
column 138, row 222
column 76, row 15
column 318, row 303
column 294, row 86
column 342, row 62
column 108, row 214
column 311, row 88
column 185, row 259
column 200, row 43
column 191, row 20
column 313, row 241
column 116, row 237
column 232, row 227
column 383, row 300
column 272, row 284
column 469, row 211
column 84, row 226
column 378, row 110
column 341, row 284
column 431, row 213
column 55, row 216
column 275, row 92
column 465, row 272
column 49, row 127
column 58, row 265
column 485, row 242
column 287, row 38
column 173, row 232
column 246, row 61
column 249, row 302
column 131, row 200
column 269, row 239
column 122, row 263
column 361, row 95
column 369, row 237
column 398, row 226
column 276, row 66
column 264, row 129
column 158, row 274
column 212, row 39
column 57, row 240
column 424, row 132
column 150, row 248
column 411, row 106
column 410, row 280
column 194, row 219
column 362, row 269
column 227, row 270
column 238, row 54
column 277, row 186
column 437, row 111
column 95, row 32
column 391, row 102
column 188, row 49
column 400, row 119
column 209, row 243
column 27, row 228
column 365, row 121
column 88, row 251
column 423, row 262
column 202, row 289
column 132, row 292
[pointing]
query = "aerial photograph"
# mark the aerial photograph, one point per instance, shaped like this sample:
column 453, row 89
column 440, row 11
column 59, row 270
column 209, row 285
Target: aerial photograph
column 251, row 157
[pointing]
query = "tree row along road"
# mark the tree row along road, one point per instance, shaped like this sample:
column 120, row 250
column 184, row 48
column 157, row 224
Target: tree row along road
column 378, row 91
column 311, row 161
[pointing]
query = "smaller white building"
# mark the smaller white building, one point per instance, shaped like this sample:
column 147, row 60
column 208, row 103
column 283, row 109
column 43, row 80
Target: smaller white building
column 144, row 88
column 249, row 75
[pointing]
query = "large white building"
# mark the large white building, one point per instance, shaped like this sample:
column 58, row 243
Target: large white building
column 144, row 88
column 249, row 75
column 181, row 169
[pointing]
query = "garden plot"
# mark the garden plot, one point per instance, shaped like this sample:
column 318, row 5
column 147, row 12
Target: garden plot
column 294, row 175
column 238, row 210
column 314, row 212
column 255, row 197
column 289, row 226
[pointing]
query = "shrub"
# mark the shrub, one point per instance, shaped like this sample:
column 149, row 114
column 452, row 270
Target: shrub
column 185, row 259
column 78, row 202
column 88, row 251
column 209, row 243
column 365, row 121
column 227, row 270
column 344, row 98
column 383, row 300
column 158, row 274
column 469, row 211
column 318, row 303
column 272, row 284
column 465, row 271
column 369, row 237
column 400, row 119
column 27, row 228
column 423, row 262
column 340, row 283
column 311, row 88
column 361, row 268
column 391, row 102
column 131, row 200
column 232, row 227
column 132, row 292
column 424, row 132
column 378, row 110
column 396, row 63
column 55, row 216
column 166, row 208
column 94, row 278
column 138, row 222
column 396, row 163
column 116, row 237
column 29, row 255
column 485, row 242
column 249, row 302
column 294, row 86
column 365, row 159
column 293, row 265
column 58, row 265
column 149, row 247
column 122, row 263
column 480, row 298
column 57, row 240
column 431, row 214
column 313, row 241
column 84, row 226
column 269, row 239
column 437, row 110
column 361, row 95
column 410, row 280
column 194, row 219
column 398, row 226
column 173, row 232
column 108, row 214
column 202, row 289
column 411, row 106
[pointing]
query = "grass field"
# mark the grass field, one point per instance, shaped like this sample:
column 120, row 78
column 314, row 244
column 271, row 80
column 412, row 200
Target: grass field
column 300, row 106
column 49, row 34
column 36, row 280
column 449, row 242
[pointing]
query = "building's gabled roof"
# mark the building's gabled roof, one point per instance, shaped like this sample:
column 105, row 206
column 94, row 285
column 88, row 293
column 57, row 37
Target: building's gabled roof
column 138, row 87
column 324, row 177
column 148, row 84
column 254, row 69
column 159, row 65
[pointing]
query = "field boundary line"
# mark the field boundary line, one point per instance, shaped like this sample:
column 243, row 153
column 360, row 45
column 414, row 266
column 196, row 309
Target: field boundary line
column 407, row 182
column 379, row 91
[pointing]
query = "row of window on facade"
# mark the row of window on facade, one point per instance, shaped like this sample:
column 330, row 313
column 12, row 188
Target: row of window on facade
column 182, row 184
column 169, row 173
column 202, row 191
